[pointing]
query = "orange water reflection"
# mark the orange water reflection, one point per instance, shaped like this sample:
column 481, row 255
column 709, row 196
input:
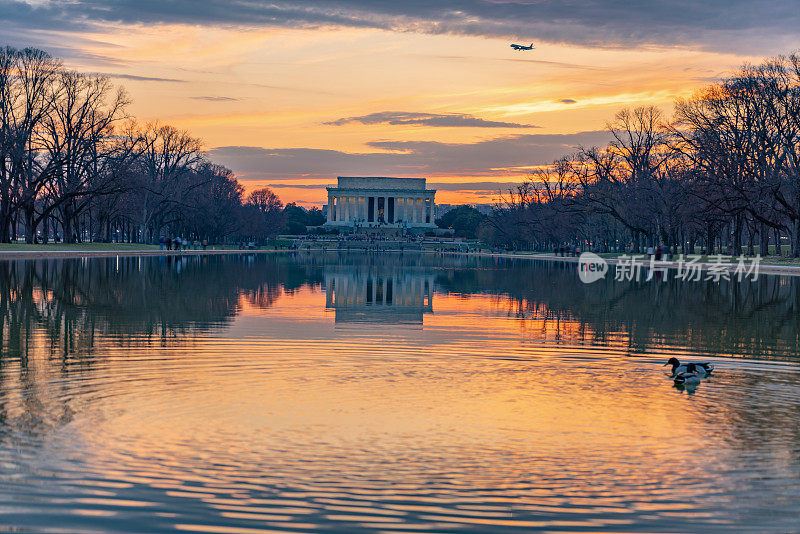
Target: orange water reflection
column 261, row 409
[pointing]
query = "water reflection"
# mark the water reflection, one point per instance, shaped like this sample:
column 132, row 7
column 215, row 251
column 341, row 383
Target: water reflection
column 218, row 395
column 165, row 300
column 60, row 318
column 170, row 300
column 386, row 292
column 757, row 319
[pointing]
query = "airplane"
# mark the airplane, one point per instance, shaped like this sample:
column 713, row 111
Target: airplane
column 522, row 47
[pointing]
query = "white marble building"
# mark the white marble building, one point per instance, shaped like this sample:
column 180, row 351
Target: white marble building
column 367, row 202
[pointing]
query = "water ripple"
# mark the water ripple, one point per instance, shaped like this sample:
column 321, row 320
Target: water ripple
column 258, row 412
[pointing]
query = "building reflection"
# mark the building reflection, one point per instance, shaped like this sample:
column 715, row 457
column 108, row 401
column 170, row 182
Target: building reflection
column 390, row 296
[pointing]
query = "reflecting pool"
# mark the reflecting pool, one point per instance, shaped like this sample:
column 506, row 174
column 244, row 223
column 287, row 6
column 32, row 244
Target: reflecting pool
column 351, row 392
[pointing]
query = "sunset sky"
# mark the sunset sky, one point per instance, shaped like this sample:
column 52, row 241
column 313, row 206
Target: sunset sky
column 292, row 94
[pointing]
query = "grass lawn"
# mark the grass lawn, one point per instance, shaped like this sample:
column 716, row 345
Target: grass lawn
column 56, row 247
column 765, row 260
column 772, row 260
column 24, row 247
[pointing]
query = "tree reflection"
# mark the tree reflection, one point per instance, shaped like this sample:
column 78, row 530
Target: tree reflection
column 65, row 304
column 56, row 315
column 61, row 306
column 757, row 319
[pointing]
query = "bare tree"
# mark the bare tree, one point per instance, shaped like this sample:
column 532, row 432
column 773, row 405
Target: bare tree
column 165, row 176
column 26, row 88
column 84, row 156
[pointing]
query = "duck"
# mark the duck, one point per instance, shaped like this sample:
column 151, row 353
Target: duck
column 703, row 368
column 688, row 377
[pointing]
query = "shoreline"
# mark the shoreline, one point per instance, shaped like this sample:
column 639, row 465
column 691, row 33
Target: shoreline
column 73, row 254
column 764, row 268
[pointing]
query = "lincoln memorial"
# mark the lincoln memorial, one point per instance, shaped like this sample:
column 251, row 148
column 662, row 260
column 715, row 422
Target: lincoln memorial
column 394, row 204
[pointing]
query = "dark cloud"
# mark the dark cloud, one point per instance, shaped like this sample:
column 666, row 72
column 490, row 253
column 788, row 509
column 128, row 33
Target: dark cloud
column 746, row 25
column 568, row 101
column 216, row 98
column 61, row 45
column 444, row 120
column 489, row 187
column 404, row 158
column 286, row 185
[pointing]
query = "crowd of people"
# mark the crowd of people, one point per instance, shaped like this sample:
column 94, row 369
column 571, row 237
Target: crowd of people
column 180, row 243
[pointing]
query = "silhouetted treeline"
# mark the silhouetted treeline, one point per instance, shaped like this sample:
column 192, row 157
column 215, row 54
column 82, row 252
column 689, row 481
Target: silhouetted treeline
column 464, row 221
column 722, row 174
column 75, row 166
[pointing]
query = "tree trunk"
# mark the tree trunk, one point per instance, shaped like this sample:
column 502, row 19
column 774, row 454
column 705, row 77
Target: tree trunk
column 67, row 223
column 736, row 248
column 5, row 221
column 778, row 251
column 30, row 224
column 796, row 239
column 763, row 234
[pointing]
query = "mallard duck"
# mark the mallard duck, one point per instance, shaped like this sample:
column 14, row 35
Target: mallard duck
column 688, row 377
column 703, row 368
